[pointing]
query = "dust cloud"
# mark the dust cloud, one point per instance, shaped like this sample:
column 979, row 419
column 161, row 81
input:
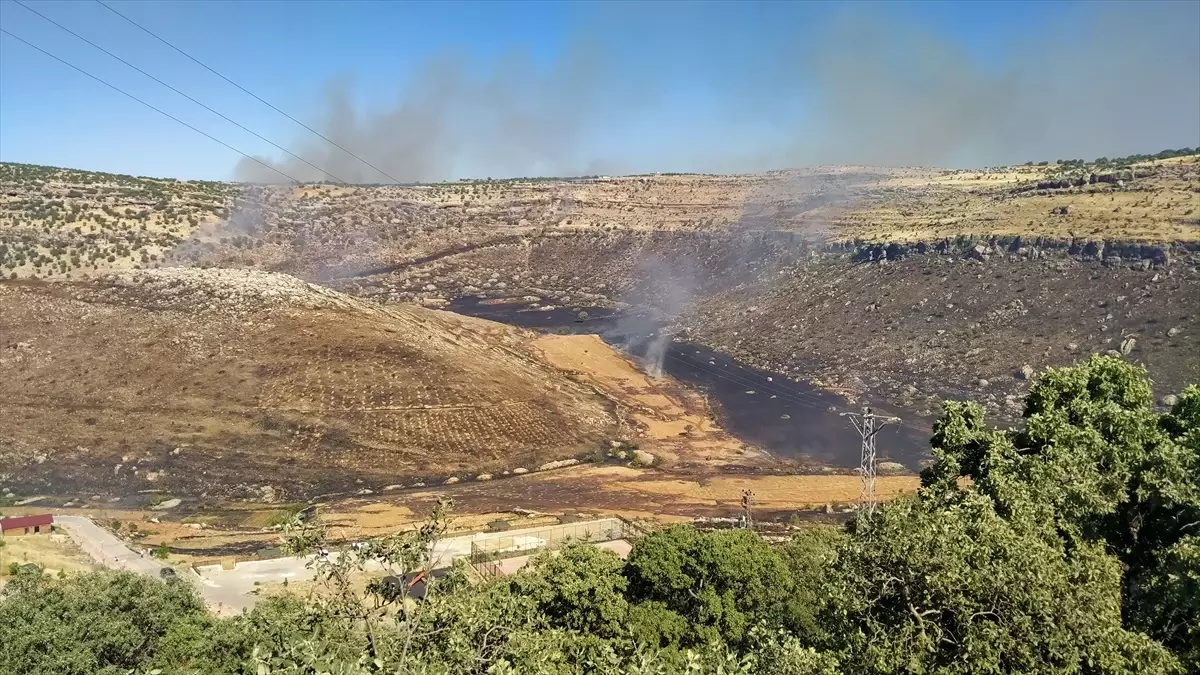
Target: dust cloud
column 866, row 89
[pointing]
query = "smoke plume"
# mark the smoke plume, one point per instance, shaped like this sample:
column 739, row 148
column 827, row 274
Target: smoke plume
column 1109, row 79
column 664, row 290
column 1127, row 80
column 517, row 121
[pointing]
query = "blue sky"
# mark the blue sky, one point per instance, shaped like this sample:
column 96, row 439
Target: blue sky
column 664, row 86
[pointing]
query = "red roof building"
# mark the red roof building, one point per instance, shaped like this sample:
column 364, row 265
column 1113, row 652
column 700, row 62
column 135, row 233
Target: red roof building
column 30, row 524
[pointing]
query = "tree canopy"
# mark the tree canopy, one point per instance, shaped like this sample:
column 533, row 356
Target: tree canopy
column 1070, row 544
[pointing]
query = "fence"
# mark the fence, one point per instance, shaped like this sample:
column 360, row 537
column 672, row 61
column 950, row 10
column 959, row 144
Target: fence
column 486, row 552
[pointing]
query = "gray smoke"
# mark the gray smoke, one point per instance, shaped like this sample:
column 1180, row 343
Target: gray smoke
column 1127, row 80
column 246, row 219
column 1120, row 78
column 663, row 293
column 517, row 121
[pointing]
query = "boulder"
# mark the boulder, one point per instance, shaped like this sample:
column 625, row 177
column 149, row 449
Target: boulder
column 1127, row 346
column 558, row 465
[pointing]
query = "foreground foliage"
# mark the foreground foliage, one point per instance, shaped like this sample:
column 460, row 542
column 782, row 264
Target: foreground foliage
column 1070, row 545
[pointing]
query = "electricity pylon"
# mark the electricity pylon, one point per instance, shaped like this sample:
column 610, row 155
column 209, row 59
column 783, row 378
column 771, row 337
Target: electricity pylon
column 868, row 425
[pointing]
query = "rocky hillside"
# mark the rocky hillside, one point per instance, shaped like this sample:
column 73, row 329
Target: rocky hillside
column 904, row 285
column 247, row 383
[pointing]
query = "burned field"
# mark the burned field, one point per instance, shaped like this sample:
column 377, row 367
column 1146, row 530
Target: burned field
column 784, row 298
column 906, row 329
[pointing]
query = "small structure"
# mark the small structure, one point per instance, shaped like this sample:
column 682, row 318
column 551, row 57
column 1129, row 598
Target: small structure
column 30, row 524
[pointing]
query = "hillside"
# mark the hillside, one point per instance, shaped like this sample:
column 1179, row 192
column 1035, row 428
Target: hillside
column 899, row 285
column 55, row 222
column 252, row 384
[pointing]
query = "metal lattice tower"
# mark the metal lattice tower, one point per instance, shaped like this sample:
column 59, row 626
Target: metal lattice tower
column 868, row 424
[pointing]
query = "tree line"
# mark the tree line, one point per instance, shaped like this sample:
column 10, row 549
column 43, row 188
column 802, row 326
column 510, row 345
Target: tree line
column 1070, row 544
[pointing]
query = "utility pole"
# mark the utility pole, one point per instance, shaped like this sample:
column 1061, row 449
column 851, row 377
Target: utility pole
column 748, row 509
column 868, row 424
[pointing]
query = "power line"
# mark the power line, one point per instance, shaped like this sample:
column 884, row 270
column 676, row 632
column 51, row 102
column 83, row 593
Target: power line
column 807, row 399
column 246, row 91
column 157, row 110
column 177, row 91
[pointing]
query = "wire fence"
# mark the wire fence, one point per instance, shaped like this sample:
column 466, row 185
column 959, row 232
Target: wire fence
column 486, row 553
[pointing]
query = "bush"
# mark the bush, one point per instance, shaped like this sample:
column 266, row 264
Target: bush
column 91, row 623
column 721, row 583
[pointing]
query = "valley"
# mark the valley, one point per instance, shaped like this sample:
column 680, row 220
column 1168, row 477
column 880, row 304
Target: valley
column 267, row 345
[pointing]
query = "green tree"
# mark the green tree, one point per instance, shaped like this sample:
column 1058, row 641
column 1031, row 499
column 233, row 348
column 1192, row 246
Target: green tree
column 721, row 583
column 99, row 622
column 579, row 587
column 1095, row 458
column 810, row 556
column 953, row 586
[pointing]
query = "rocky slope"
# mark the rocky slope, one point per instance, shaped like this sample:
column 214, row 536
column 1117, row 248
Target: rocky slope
column 898, row 285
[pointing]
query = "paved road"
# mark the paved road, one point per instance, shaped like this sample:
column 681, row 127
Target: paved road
column 231, row 591
column 105, row 548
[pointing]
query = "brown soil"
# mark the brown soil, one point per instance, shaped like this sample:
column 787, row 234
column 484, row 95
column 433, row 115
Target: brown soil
column 250, row 384
column 674, row 422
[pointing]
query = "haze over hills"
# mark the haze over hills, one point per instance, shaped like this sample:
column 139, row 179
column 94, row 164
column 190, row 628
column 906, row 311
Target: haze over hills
column 903, row 286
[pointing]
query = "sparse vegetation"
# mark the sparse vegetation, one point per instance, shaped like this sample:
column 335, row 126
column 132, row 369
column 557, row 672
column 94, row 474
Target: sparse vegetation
column 58, row 222
column 1069, row 549
column 1063, row 545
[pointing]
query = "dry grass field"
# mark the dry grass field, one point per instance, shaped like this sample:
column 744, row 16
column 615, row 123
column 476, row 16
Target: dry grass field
column 673, row 423
column 1161, row 204
column 55, row 552
column 186, row 381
